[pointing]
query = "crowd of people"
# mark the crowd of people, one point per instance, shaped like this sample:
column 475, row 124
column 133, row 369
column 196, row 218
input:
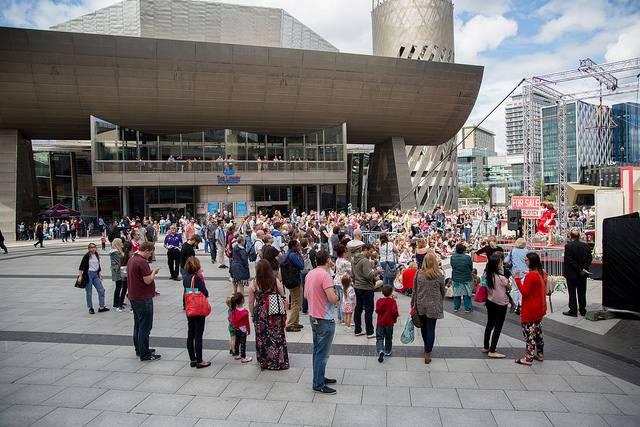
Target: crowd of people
column 330, row 266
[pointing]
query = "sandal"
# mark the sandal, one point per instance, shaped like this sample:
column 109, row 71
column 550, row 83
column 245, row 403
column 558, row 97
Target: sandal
column 523, row 361
column 539, row 357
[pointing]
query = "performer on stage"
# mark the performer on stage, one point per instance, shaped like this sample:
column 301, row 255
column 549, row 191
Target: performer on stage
column 550, row 223
column 541, row 227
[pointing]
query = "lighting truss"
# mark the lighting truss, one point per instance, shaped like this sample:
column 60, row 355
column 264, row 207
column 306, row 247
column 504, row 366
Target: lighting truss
column 613, row 79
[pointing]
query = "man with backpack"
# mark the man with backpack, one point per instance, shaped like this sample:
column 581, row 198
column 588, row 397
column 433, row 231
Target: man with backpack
column 290, row 267
column 210, row 235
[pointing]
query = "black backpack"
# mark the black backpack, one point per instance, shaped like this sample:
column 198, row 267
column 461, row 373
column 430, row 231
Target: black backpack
column 290, row 275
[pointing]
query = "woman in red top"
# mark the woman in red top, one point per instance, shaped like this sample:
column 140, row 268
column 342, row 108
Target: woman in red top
column 533, row 309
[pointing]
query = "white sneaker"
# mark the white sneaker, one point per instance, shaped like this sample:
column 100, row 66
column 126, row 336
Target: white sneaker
column 371, row 336
column 119, row 310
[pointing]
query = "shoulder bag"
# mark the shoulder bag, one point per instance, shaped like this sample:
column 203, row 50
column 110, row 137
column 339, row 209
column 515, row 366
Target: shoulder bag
column 277, row 306
column 196, row 304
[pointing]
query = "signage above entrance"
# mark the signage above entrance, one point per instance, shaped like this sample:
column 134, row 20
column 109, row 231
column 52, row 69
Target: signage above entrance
column 228, row 180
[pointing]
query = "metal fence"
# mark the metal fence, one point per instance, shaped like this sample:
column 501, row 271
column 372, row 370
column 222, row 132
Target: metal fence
column 373, row 236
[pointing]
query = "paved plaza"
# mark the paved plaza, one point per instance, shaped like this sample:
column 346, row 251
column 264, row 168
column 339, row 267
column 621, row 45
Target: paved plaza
column 60, row 366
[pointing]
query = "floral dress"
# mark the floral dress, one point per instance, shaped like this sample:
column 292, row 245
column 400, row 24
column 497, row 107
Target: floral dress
column 271, row 343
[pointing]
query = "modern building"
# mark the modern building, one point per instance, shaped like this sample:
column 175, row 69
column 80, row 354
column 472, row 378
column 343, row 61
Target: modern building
column 160, row 113
column 626, row 132
column 514, row 123
column 589, row 139
column 505, row 171
column 471, row 166
column 203, row 21
column 479, row 138
column 420, row 30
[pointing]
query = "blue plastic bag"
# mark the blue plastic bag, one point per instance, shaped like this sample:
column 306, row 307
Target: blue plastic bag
column 408, row 334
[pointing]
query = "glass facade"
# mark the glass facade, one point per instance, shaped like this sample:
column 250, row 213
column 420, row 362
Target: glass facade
column 114, row 143
column 626, row 132
column 550, row 144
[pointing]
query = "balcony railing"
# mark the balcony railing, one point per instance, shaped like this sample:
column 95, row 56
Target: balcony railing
column 215, row 166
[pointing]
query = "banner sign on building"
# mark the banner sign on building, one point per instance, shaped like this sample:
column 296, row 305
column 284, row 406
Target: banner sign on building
column 242, row 209
column 228, row 179
column 214, row 207
column 529, row 205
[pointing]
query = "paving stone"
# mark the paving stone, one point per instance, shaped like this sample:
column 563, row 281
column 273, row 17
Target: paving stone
column 205, row 422
column 307, row 375
column 22, row 359
column 344, row 362
column 466, row 417
column 356, row 415
column 89, row 363
column 539, row 382
column 268, row 411
column 452, row 380
column 67, row 417
column 554, row 367
column 209, row 372
column 485, row 399
column 246, row 390
column 23, row 415
column 169, row 421
column 84, row 378
column 7, row 389
column 163, row 404
column 584, row 369
column 45, row 376
column 625, row 386
column 239, row 371
column 535, row 401
column 120, row 419
column 364, row 377
column 587, row 403
column 629, row 405
column 622, row 420
column 467, row 365
column 396, row 396
column 308, row 414
column 576, row 420
column 291, row 375
column 507, row 366
column 10, row 374
column 162, row 367
column 122, row 381
column 408, row 379
column 33, row 394
column 435, row 398
column 54, row 361
column 591, row 384
column 162, row 384
column 391, row 363
column 521, row 419
column 290, row 392
column 493, row 381
column 118, row 400
column 417, row 364
column 346, row 394
column 410, row 417
column 75, row 397
column 209, row 407
column 123, row 365
column 204, row 387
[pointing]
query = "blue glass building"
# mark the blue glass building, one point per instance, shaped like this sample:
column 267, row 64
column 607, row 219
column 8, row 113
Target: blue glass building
column 626, row 133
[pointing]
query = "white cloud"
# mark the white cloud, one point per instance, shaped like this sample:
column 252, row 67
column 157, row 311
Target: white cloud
column 486, row 7
column 481, row 33
column 45, row 13
column 570, row 17
column 626, row 46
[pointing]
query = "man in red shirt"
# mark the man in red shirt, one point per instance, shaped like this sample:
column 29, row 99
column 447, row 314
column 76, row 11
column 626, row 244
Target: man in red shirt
column 142, row 288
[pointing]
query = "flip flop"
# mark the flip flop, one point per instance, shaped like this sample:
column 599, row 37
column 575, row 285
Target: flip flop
column 523, row 362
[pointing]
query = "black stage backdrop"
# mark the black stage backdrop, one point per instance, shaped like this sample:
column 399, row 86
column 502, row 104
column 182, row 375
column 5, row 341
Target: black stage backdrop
column 621, row 258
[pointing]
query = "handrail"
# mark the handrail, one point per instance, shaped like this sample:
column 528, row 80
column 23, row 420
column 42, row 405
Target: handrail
column 217, row 166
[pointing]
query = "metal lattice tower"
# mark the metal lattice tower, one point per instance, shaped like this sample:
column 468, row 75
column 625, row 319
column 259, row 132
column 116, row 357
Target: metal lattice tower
column 615, row 78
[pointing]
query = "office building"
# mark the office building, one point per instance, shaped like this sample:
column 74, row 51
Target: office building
column 505, row 171
column 589, row 139
column 626, row 132
column 479, row 138
column 163, row 114
column 514, row 123
column 471, row 166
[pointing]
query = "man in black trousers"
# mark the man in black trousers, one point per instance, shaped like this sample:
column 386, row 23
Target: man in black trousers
column 577, row 260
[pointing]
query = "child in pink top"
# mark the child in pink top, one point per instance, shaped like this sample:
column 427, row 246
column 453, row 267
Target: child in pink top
column 241, row 325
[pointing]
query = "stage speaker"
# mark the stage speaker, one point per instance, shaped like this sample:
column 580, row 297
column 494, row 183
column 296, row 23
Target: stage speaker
column 514, row 217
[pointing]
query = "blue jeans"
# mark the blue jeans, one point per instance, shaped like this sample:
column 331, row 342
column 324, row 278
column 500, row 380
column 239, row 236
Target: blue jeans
column 323, row 331
column 213, row 250
column 384, row 339
column 142, row 324
column 206, row 246
column 94, row 282
column 340, row 293
column 387, row 265
column 467, row 302
column 428, row 332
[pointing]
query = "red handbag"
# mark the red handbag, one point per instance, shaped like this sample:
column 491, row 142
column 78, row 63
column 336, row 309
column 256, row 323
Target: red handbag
column 481, row 294
column 195, row 303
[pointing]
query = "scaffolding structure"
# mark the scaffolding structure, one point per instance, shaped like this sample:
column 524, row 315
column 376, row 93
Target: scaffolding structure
column 611, row 79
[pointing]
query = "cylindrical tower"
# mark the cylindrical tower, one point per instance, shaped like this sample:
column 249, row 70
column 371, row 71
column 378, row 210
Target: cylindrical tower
column 421, row 30
column 413, row 29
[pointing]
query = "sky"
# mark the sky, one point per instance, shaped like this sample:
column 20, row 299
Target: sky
column 512, row 39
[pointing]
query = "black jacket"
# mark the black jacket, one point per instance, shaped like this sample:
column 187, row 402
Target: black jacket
column 84, row 267
column 577, row 256
column 185, row 252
